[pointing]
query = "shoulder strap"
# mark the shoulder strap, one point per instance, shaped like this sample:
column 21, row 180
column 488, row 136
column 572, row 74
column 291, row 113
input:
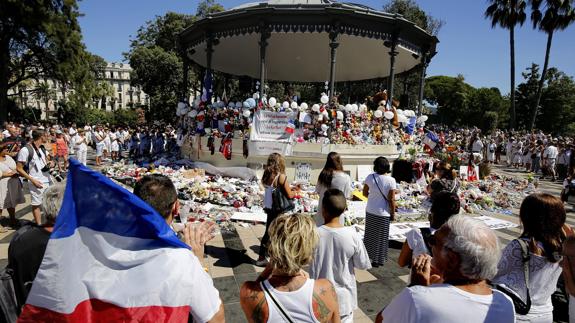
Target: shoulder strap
column 379, row 188
column 284, row 313
column 525, row 259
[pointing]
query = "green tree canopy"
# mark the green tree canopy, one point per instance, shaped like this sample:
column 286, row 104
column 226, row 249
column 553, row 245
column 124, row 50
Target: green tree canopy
column 207, row 7
column 37, row 38
column 411, row 11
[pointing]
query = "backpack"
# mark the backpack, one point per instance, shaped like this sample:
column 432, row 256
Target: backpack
column 8, row 302
column 31, row 152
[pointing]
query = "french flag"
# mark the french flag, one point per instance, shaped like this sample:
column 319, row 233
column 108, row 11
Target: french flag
column 431, row 140
column 112, row 257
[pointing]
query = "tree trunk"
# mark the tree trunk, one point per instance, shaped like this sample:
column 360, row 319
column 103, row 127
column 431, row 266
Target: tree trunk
column 4, row 79
column 512, row 121
column 542, row 80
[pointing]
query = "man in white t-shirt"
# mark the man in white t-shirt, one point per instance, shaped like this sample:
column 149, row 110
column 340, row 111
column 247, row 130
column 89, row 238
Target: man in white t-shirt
column 339, row 251
column 550, row 158
column 204, row 300
column 465, row 256
column 33, row 165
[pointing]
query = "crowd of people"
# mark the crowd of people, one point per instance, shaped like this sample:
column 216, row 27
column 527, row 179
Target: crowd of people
column 458, row 270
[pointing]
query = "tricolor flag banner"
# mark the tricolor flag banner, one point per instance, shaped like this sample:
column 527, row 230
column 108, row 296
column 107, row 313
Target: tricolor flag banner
column 112, row 258
column 431, row 140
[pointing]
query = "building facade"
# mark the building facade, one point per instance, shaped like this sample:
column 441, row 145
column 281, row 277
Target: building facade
column 44, row 94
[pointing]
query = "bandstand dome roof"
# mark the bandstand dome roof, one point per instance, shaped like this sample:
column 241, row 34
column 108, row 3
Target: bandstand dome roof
column 298, row 48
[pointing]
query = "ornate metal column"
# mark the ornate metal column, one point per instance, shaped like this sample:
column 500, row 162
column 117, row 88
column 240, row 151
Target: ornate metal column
column 208, row 70
column 333, row 44
column 424, row 64
column 393, row 46
column 264, row 35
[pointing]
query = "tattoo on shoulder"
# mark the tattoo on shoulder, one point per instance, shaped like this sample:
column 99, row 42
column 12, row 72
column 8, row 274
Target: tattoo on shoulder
column 333, row 292
column 258, row 311
column 320, row 308
column 322, row 291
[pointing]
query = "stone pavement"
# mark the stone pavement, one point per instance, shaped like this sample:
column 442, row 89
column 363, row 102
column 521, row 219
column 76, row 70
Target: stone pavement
column 230, row 255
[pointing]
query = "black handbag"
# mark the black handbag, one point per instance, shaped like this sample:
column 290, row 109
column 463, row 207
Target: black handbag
column 521, row 307
column 280, row 202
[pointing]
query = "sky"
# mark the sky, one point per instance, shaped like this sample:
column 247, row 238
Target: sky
column 468, row 45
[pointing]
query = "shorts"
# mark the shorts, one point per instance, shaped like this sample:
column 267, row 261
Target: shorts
column 36, row 193
column 99, row 150
column 551, row 163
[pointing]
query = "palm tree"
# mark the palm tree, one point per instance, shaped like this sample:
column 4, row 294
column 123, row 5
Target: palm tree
column 558, row 15
column 508, row 14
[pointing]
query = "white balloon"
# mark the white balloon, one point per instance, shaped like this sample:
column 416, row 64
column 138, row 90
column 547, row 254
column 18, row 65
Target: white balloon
column 378, row 114
column 315, row 108
column 239, row 104
column 285, row 105
column 256, row 96
column 324, row 99
column 339, row 115
column 424, row 118
column 272, row 102
column 354, row 107
column 399, row 111
column 388, row 115
column 247, row 113
column 293, row 105
column 303, row 106
column 181, row 105
column 230, row 105
column 348, row 107
column 324, row 127
column 363, row 107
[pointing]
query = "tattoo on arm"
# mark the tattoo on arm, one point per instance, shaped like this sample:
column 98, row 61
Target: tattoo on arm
column 333, row 292
column 322, row 310
column 322, row 291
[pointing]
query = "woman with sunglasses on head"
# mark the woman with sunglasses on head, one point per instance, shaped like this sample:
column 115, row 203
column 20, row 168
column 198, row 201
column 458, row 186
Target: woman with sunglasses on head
column 445, row 205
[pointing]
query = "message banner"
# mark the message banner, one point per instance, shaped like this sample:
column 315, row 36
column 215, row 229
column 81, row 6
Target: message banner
column 302, row 172
column 271, row 126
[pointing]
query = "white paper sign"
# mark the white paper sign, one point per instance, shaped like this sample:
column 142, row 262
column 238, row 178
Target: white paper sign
column 302, row 172
column 264, row 148
column 363, row 171
column 356, row 209
column 397, row 231
column 271, row 126
column 466, row 174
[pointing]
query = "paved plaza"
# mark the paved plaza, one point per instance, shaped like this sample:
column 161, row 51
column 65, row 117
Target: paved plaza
column 230, row 255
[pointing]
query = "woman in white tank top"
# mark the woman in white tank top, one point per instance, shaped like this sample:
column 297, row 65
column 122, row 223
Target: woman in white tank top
column 284, row 292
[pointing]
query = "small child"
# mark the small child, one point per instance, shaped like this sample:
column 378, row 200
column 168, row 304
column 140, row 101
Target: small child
column 339, row 251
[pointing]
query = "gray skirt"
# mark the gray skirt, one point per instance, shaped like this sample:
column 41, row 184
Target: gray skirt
column 376, row 237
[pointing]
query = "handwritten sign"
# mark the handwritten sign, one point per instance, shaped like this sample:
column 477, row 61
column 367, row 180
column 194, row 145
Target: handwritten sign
column 264, row 148
column 271, row 126
column 303, row 172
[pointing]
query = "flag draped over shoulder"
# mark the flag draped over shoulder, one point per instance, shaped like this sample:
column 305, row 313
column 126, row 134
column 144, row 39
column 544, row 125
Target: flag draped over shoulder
column 111, row 257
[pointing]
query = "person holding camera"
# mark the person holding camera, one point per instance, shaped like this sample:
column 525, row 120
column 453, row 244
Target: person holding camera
column 34, row 166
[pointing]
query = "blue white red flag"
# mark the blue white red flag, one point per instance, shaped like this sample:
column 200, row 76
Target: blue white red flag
column 431, row 139
column 113, row 258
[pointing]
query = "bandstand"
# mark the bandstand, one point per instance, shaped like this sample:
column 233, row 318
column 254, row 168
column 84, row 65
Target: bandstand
column 309, row 41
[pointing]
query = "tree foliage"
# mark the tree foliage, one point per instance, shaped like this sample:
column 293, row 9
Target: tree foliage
column 412, row 12
column 37, row 38
column 207, row 7
column 157, row 64
column 461, row 104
